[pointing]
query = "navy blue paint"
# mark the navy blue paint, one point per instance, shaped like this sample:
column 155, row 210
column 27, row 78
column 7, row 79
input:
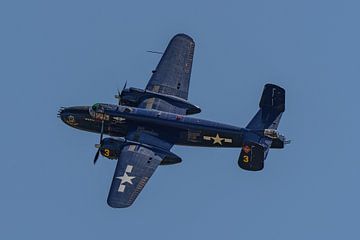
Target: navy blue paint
column 143, row 163
column 172, row 74
column 149, row 122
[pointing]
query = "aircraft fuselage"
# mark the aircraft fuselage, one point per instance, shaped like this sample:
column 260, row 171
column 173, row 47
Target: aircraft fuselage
column 174, row 128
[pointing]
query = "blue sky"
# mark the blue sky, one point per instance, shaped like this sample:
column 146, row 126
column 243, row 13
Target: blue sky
column 63, row 53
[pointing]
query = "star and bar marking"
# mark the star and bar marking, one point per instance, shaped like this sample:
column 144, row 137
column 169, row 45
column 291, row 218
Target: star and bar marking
column 217, row 139
column 125, row 178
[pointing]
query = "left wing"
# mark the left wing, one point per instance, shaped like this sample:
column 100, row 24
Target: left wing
column 172, row 74
column 135, row 166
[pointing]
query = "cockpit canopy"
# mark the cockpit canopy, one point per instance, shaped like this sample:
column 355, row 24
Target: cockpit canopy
column 94, row 109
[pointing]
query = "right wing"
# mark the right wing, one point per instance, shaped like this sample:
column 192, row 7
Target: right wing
column 135, row 166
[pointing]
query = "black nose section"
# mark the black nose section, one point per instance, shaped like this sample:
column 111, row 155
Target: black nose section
column 72, row 115
column 65, row 114
column 78, row 110
column 60, row 111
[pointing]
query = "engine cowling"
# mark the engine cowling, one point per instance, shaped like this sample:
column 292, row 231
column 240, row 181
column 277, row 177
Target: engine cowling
column 252, row 157
column 134, row 96
column 111, row 148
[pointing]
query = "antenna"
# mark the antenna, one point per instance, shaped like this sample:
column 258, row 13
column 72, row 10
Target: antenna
column 155, row 52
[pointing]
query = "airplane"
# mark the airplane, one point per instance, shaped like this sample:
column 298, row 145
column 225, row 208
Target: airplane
column 146, row 123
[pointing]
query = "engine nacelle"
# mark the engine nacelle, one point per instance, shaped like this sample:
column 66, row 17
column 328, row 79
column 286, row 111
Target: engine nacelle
column 134, row 96
column 252, row 157
column 111, row 148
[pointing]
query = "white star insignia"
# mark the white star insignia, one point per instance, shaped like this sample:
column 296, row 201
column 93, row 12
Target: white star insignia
column 217, row 139
column 125, row 179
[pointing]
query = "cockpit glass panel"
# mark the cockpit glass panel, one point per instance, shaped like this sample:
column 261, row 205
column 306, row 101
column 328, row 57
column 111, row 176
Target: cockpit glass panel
column 128, row 110
column 95, row 106
column 93, row 109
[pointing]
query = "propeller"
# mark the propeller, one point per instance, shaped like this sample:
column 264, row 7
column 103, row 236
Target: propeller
column 119, row 95
column 96, row 156
column 125, row 85
column 99, row 145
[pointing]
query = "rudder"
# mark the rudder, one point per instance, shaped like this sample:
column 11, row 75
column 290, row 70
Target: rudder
column 260, row 134
column 272, row 105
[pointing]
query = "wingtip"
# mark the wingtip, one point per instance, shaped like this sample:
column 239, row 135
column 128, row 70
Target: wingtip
column 271, row 85
column 117, row 204
column 183, row 35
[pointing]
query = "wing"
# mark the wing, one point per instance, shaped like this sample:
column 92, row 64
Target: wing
column 172, row 74
column 135, row 166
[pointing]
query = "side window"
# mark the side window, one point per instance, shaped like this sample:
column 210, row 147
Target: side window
column 128, row 110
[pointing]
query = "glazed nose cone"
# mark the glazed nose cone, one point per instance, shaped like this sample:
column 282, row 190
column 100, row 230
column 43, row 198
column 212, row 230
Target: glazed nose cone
column 61, row 112
column 73, row 113
column 64, row 113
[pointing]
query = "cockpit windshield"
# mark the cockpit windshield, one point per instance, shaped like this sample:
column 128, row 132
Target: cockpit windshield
column 97, row 111
column 94, row 109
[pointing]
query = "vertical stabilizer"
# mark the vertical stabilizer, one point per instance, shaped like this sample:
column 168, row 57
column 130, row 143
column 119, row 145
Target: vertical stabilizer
column 272, row 105
column 261, row 134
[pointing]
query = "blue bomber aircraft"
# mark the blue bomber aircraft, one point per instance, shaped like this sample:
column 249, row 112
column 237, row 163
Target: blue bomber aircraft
column 145, row 124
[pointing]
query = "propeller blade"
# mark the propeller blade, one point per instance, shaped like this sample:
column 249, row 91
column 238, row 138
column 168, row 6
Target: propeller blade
column 96, row 156
column 118, row 96
column 102, row 131
column 99, row 145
